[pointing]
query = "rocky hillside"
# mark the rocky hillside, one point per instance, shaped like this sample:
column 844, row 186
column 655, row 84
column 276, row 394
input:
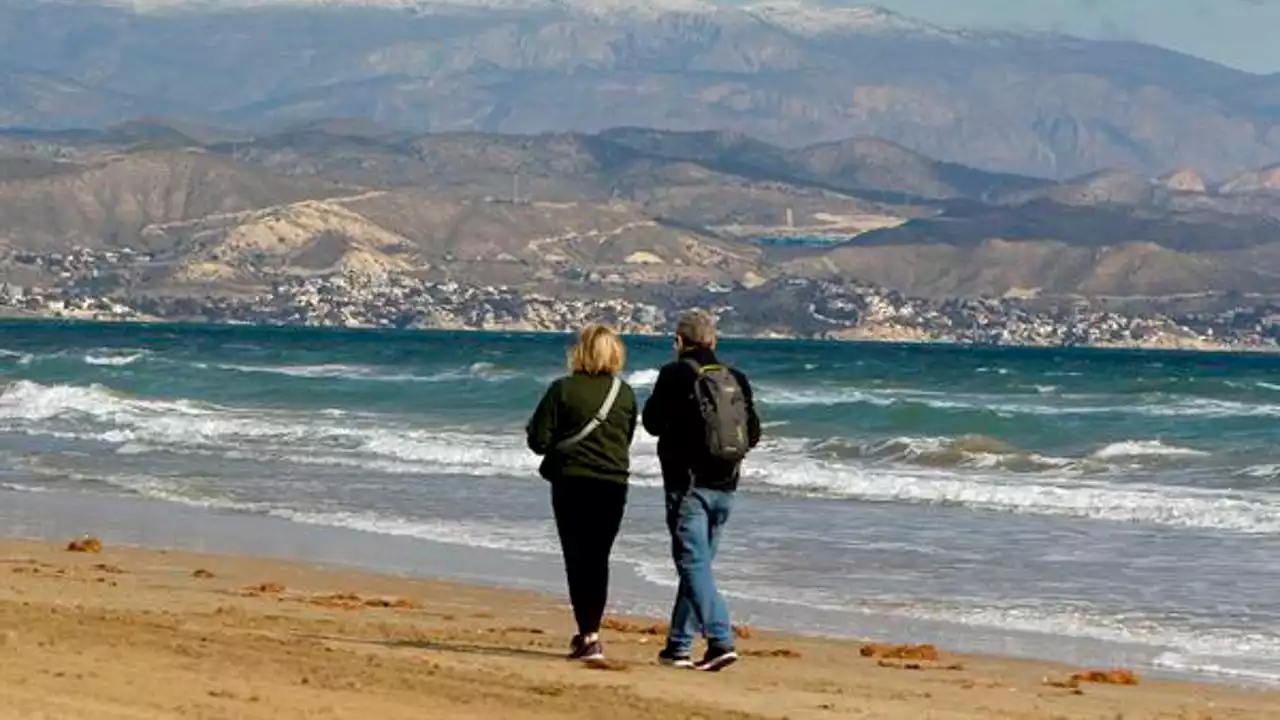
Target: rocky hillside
column 627, row 210
column 791, row 74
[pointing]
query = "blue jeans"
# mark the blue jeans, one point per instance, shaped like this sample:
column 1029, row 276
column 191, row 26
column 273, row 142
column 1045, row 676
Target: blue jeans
column 696, row 520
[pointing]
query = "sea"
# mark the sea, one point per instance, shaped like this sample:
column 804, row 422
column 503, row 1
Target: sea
column 1097, row 507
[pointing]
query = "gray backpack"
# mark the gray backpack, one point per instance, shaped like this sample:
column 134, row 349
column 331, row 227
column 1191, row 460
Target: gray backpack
column 723, row 407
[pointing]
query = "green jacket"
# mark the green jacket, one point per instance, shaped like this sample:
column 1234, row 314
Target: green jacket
column 566, row 407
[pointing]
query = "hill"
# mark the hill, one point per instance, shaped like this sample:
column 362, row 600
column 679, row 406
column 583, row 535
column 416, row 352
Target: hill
column 628, row 210
column 790, row 74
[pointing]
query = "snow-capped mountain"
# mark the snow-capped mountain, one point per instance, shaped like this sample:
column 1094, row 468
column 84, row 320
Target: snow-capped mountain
column 800, row 16
column 787, row 71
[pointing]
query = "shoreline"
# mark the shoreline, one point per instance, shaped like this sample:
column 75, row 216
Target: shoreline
column 152, row 523
column 222, row 635
column 872, row 337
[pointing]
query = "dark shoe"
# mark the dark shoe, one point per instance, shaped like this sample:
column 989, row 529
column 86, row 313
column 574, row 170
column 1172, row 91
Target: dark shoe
column 581, row 649
column 717, row 659
column 675, row 659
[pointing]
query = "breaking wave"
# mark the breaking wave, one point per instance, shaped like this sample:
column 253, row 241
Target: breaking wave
column 1145, row 448
column 371, row 373
column 973, row 472
column 110, row 359
column 1052, row 404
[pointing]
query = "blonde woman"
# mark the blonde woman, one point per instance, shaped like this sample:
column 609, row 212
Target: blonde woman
column 583, row 429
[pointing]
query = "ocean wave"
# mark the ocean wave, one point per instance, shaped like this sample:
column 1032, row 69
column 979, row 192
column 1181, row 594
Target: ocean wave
column 1269, row 471
column 19, row 487
column 114, row 359
column 137, row 426
column 535, row 537
column 325, row 371
column 371, row 373
column 966, row 451
column 1222, row 651
column 538, row 537
column 18, row 358
column 1243, row 512
column 1219, row 651
column 26, row 400
column 1000, row 405
column 1144, row 448
column 1239, row 666
column 779, row 468
column 780, row 465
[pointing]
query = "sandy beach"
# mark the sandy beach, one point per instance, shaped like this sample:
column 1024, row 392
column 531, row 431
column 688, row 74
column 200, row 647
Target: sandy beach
column 132, row 633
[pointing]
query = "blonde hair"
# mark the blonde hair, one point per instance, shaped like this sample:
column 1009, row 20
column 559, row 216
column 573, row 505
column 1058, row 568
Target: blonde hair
column 599, row 351
column 697, row 329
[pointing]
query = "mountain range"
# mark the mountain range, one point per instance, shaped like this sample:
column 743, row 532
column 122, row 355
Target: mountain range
column 789, row 73
column 627, row 210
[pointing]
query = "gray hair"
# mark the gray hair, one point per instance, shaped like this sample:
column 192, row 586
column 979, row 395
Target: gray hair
column 697, row 329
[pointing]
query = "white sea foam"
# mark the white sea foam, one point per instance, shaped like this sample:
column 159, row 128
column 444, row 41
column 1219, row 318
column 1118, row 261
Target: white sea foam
column 1268, row 471
column 1245, row 512
column 19, row 487
column 971, row 451
column 114, row 359
column 372, row 373
column 1053, row 404
column 1239, row 666
column 535, row 537
column 327, row 370
column 19, row 358
column 1251, row 655
column 1221, row 651
column 1144, row 448
column 643, row 378
column 786, row 465
column 538, row 537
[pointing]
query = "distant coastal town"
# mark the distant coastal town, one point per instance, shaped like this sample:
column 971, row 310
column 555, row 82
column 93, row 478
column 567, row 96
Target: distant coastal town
column 780, row 308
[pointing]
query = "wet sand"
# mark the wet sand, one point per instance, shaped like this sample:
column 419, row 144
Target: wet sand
column 130, row 633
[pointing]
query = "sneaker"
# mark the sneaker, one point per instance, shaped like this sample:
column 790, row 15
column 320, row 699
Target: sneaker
column 675, row 659
column 588, row 648
column 717, row 659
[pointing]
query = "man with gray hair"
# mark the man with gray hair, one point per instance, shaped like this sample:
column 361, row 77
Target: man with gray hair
column 704, row 417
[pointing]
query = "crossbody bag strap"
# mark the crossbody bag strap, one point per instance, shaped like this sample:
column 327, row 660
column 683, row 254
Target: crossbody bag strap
column 595, row 421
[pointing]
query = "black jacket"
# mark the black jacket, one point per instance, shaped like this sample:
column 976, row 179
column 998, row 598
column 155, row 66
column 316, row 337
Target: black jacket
column 671, row 414
column 567, row 406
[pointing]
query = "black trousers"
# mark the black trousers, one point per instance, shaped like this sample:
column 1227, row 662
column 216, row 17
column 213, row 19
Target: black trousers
column 588, row 514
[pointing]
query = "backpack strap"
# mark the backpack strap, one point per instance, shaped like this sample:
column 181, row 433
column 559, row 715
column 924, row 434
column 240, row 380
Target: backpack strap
column 701, row 369
column 596, row 419
column 697, row 368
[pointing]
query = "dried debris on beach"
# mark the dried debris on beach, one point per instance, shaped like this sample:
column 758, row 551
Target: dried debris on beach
column 85, row 544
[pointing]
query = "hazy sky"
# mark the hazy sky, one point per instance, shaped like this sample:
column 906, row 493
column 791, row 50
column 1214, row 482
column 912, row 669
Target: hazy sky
column 1240, row 33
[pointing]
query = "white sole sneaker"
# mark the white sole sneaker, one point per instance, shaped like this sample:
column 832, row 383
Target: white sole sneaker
column 683, row 663
column 718, row 662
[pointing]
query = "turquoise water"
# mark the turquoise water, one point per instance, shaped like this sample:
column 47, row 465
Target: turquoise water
column 1101, row 505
